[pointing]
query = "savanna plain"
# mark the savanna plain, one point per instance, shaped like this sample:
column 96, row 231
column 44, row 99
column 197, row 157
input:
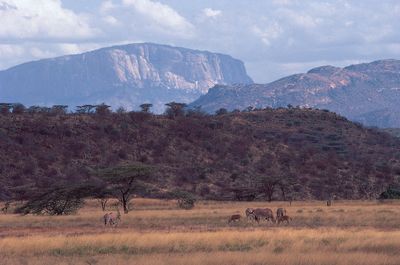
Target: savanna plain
column 157, row 232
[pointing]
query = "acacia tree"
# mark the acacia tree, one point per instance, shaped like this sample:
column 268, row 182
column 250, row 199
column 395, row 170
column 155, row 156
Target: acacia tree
column 5, row 108
column 175, row 109
column 123, row 181
column 102, row 109
column 18, row 108
column 146, row 107
column 61, row 199
column 85, row 109
column 59, row 109
column 268, row 185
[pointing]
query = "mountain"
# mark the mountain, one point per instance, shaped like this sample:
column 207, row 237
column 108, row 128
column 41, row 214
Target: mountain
column 127, row 75
column 298, row 153
column 368, row 92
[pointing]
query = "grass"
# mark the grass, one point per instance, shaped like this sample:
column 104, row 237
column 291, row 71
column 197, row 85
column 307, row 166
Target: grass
column 156, row 232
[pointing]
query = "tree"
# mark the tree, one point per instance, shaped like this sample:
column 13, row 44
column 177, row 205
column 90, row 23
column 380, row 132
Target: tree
column 267, row 185
column 34, row 109
column 18, row 108
column 102, row 109
column 121, row 110
column 286, row 185
column 175, row 109
column 146, row 107
column 85, row 109
column 123, row 181
column 221, row 111
column 5, row 108
column 249, row 109
column 103, row 195
column 62, row 199
column 59, row 109
column 195, row 112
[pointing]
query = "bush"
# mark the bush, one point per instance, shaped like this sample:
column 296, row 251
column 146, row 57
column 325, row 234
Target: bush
column 186, row 200
column 389, row 194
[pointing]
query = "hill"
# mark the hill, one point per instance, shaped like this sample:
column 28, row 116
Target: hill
column 271, row 153
column 126, row 75
column 368, row 93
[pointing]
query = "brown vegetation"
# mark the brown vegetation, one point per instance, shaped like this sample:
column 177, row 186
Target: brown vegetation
column 157, row 232
column 269, row 154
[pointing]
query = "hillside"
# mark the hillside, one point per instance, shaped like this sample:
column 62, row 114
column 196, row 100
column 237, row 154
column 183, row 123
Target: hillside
column 368, row 93
column 295, row 153
column 126, row 75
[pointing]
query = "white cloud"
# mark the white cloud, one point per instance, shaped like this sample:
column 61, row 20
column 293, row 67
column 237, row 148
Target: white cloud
column 73, row 48
column 8, row 51
column 209, row 12
column 107, row 6
column 40, row 53
column 163, row 16
column 274, row 38
column 269, row 33
column 111, row 20
column 27, row 19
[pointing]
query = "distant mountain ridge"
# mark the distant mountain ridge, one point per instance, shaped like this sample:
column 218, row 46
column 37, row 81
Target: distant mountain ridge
column 126, row 75
column 368, row 92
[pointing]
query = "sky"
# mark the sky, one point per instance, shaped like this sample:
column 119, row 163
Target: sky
column 274, row 38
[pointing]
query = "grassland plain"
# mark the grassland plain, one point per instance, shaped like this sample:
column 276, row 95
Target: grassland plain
column 156, row 232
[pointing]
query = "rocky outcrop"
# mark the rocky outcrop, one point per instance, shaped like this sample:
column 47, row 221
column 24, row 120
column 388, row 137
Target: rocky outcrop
column 125, row 75
column 369, row 92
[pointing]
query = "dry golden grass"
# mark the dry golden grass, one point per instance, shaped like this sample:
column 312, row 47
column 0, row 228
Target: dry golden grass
column 156, row 232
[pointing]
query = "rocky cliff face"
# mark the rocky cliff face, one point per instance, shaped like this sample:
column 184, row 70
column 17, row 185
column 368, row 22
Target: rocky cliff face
column 369, row 93
column 121, row 76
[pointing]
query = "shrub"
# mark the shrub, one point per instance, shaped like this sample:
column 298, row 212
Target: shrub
column 186, row 200
column 390, row 193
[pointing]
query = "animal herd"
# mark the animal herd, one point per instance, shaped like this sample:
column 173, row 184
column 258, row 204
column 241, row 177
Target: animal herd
column 259, row 214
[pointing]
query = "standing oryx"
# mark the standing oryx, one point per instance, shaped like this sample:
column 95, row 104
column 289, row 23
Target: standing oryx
column 260, row 214
column 249, row 213
column 112, row 220
column 280, row 212
column 284, row 218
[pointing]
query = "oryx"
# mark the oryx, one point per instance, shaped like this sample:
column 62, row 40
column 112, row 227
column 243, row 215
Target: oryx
column 111, row 219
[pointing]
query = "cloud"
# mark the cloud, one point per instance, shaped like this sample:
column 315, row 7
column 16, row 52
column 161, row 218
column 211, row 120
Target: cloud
column 274, row 38
column 73, row 48
column 8, row 51
column 41, row 19
column 162, row 16
column 268, row 33
column 111, row 20
column 38, row 53
column 107, row 6
column 209, row 12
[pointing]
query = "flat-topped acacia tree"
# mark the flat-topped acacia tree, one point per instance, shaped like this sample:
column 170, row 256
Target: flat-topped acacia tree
column 124, row 180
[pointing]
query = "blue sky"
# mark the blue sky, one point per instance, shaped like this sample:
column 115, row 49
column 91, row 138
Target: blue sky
column 274, row 38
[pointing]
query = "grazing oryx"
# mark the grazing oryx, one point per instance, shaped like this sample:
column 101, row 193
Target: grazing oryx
column 280, row 212
column 284, row 218
column 260, row 214
column 234, row 218
column 112, row 220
